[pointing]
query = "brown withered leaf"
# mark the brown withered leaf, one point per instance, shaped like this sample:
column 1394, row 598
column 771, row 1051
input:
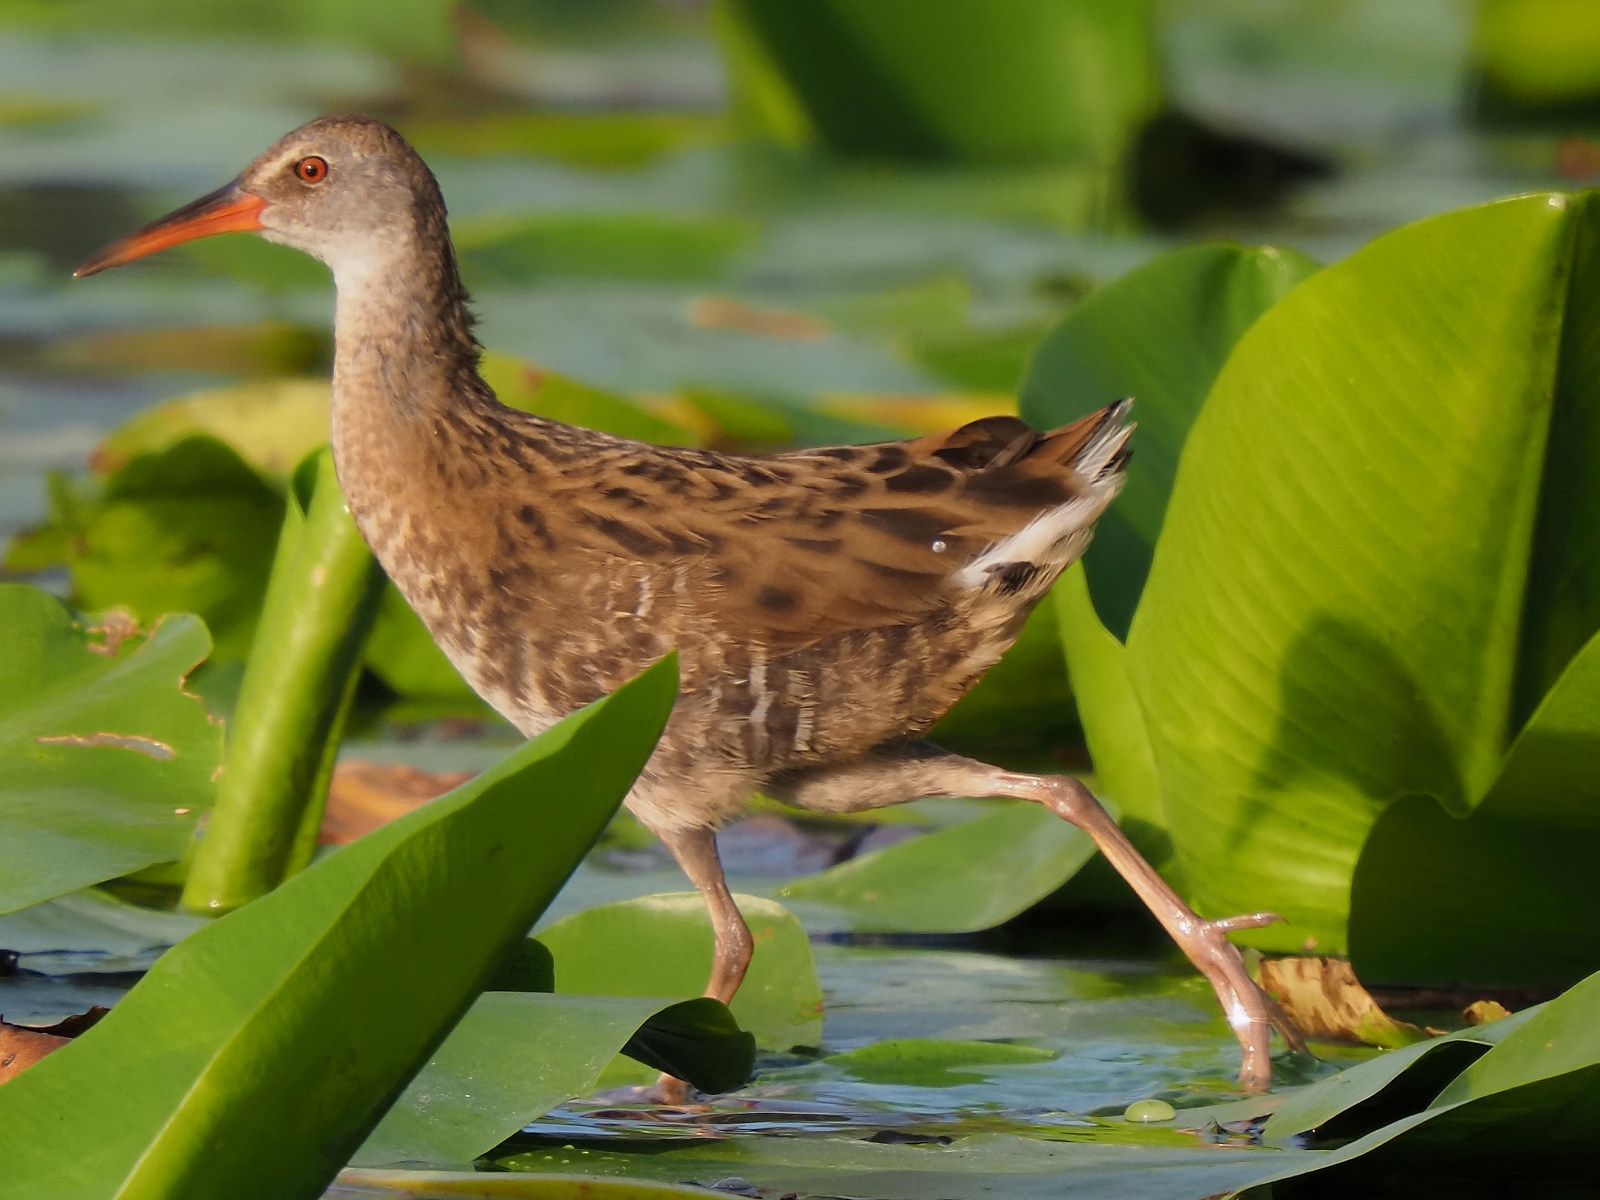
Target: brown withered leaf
column 724, row 312
column 23, row 1045
column 1481, row 1012
column 1326, row 1000
column 116, row 627
column 365, row 795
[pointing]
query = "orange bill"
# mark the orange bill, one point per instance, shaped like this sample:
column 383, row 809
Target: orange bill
column 229, row 209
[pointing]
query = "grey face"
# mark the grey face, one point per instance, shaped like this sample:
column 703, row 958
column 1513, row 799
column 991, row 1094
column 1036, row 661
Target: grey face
column 342, row 189
column 348, row 190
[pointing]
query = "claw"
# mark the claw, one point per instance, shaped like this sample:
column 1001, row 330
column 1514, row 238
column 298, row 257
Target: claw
column 1246, row 921
column 1251, row 1013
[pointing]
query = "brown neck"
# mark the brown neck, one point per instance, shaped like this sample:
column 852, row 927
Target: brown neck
column 404, row 361
column 403, row 342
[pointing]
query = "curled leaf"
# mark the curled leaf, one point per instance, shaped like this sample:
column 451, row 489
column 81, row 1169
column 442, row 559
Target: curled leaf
column 1326, row 1000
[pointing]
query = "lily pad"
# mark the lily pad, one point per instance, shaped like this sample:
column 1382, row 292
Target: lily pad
column 106, row 762
column 595, row 245
column 271, row 425
column 927, row 1062
column 661, row 946
column 970, row 876
column 190, row 527
column 516, row 1055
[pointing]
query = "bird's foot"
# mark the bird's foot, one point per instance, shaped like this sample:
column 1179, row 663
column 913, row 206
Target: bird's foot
column 1252, row 1013
column 671, row 1091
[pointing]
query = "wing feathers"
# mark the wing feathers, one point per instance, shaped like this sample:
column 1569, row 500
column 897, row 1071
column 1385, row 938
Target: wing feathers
column 796, row 547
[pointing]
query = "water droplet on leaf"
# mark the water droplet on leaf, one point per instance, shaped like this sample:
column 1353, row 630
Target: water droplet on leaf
column 1147, row 1111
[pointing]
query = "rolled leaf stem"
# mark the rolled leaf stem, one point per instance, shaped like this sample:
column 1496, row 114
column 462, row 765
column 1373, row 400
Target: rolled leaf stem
column 298, row 682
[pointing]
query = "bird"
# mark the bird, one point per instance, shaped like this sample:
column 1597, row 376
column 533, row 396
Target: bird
column 827, row 605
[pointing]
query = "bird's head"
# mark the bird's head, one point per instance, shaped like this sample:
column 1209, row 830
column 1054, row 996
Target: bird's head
column 348, row 190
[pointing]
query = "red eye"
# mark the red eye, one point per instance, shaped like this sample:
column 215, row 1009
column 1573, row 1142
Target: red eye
column 312, row 170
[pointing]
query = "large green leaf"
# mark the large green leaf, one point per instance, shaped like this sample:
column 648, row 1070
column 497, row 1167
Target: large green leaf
column 1417, row 907
column 1538, row 828
column 260, row 1052
column 106, row 762
column 1113, row 721
column 661, row 946
column 1528, row 1105
column 1159, row 334
column 1350, row 1094
column 516, row 1055
column 1334, row 616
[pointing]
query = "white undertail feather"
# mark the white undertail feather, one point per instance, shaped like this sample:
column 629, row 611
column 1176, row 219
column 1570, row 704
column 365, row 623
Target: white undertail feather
column 1057, row 535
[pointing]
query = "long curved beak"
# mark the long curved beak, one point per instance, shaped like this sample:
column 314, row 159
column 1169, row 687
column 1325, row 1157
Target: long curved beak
column 229, row 209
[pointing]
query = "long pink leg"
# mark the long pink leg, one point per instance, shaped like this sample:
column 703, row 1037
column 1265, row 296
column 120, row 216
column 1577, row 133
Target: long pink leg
column 918, row 769
column 1250, row 1011
column 696, row 852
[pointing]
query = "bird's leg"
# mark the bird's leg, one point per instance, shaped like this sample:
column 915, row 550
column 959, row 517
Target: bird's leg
column 917, row 770
column 696, row 852
column 1250, row 1011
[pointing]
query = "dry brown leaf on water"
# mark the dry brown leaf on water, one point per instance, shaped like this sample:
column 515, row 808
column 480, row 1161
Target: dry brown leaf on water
column 365, row 795
column 1326, row 1000
column 23, row 1045
column 1481, row 1012
column 723, row 312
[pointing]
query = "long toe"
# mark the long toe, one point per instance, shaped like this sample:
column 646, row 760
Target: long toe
column 1250, row 1012
column 669, row 1089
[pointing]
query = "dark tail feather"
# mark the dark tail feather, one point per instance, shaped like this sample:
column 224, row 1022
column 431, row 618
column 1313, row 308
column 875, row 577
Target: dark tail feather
column 1095, row 446
column 1106, row 452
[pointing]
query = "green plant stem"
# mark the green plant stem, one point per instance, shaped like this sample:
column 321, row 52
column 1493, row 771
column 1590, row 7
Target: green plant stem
column 298, row 683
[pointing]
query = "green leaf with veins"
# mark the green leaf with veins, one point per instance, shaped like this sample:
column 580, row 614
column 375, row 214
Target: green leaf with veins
column 106, row 763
